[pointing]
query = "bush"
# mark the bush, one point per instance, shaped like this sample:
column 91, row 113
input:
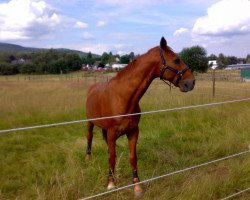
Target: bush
column 195, row 58
column 8, row 69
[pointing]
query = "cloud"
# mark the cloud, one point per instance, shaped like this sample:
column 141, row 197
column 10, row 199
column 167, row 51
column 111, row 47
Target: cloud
column 101, row 23
column 226, row 17
column 27, row 19
column 125, row 3
column 81, row 25
column 180, row 31
column 88, row 36
column 99, row 48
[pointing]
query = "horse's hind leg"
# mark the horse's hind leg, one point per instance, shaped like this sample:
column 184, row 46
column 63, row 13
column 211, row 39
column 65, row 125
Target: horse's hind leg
column 90, row 127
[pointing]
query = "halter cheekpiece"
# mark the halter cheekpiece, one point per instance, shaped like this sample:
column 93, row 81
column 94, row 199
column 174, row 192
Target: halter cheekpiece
column 165, row 67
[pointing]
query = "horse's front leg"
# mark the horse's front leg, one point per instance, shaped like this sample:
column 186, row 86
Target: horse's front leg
column 111, row 141
column 132, row 141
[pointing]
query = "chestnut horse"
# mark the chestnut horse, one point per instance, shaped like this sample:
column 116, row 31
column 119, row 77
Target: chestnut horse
column 121, row 95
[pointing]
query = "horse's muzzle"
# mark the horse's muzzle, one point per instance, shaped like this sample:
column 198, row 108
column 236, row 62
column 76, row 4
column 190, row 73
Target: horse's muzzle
column 187, row 85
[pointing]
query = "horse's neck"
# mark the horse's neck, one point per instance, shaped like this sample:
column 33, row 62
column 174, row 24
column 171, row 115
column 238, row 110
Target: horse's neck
column 133, row 82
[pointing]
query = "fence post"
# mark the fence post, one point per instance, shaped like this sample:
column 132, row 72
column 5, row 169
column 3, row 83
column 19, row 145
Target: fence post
column 213, row 79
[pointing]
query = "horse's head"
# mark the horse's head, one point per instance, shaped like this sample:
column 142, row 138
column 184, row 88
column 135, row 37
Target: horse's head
column 174, row 69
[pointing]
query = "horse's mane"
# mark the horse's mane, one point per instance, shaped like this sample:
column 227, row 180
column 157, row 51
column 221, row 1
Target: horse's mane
column 127, row 68
column 133, row 64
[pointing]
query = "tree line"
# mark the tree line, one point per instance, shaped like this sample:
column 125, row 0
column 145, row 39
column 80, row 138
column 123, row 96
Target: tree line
column 55, row 62
column 50, row 61
column 196, row 58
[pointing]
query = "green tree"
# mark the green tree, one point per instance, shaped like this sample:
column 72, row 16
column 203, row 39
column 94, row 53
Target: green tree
column 26, row 69
column 132, row 55
column 8, row 69
column 90, row 60
column 232, row 60
column 125, row 59
column 105, row 58
column 195, row 58
column 212, row 57
column 222, row 61
column 58, row 66
column 111, row 58
column 73, row 62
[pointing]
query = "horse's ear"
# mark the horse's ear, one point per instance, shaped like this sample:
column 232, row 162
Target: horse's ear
column 163, row 43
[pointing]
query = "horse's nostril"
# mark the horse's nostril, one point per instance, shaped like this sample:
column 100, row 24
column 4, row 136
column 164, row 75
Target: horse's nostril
column 186, row 85
column 194, row 82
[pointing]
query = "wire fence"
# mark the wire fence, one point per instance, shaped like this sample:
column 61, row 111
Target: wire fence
column 124, row 115
column 236, row 194
column 166, row 175
column 144, row 113
column 220, row 75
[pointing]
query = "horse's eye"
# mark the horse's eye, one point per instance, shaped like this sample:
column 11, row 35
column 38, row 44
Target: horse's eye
column 177, row 61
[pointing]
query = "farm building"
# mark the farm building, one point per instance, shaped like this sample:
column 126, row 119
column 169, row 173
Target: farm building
column 244, row 70
column 213, row 64
column 118, row 66
column 238, row 66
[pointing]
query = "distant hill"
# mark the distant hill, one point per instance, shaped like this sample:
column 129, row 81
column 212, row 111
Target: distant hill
column 13, row 48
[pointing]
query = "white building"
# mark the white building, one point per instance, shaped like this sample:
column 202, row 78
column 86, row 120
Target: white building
column 213, row 64
column 118, row 66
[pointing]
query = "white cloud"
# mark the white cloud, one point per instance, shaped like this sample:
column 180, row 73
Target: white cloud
column 124, row 3
column 81, row 25
column 88, row 36
column 226, row 17
column 27, row 19
column 101, row 23
column 99, row 48
column 180, row 31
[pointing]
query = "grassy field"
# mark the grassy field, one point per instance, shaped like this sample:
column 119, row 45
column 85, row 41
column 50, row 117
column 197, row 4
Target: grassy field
column 48, row 163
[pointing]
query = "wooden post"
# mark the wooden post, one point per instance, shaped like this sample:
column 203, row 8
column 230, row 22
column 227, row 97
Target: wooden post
column 213, row 83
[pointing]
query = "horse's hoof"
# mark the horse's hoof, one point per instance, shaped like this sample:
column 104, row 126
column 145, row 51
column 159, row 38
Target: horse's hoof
column 138, row 191
column 111, row 186
column 87, row 157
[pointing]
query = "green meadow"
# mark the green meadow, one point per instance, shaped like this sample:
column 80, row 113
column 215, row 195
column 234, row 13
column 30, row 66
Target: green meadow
column 48, row 163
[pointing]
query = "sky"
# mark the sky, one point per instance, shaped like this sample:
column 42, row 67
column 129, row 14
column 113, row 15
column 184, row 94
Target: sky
column 220, row 26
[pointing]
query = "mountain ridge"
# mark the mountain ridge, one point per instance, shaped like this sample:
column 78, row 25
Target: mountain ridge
column 14, row 48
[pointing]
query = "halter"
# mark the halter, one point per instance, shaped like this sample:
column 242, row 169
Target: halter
column 165, row 67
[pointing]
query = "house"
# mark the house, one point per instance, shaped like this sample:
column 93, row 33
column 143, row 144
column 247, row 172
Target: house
column 117, row 66
column 213, row 64
column 19, row 61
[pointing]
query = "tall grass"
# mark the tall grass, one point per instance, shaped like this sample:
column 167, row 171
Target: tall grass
column 48, row 163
